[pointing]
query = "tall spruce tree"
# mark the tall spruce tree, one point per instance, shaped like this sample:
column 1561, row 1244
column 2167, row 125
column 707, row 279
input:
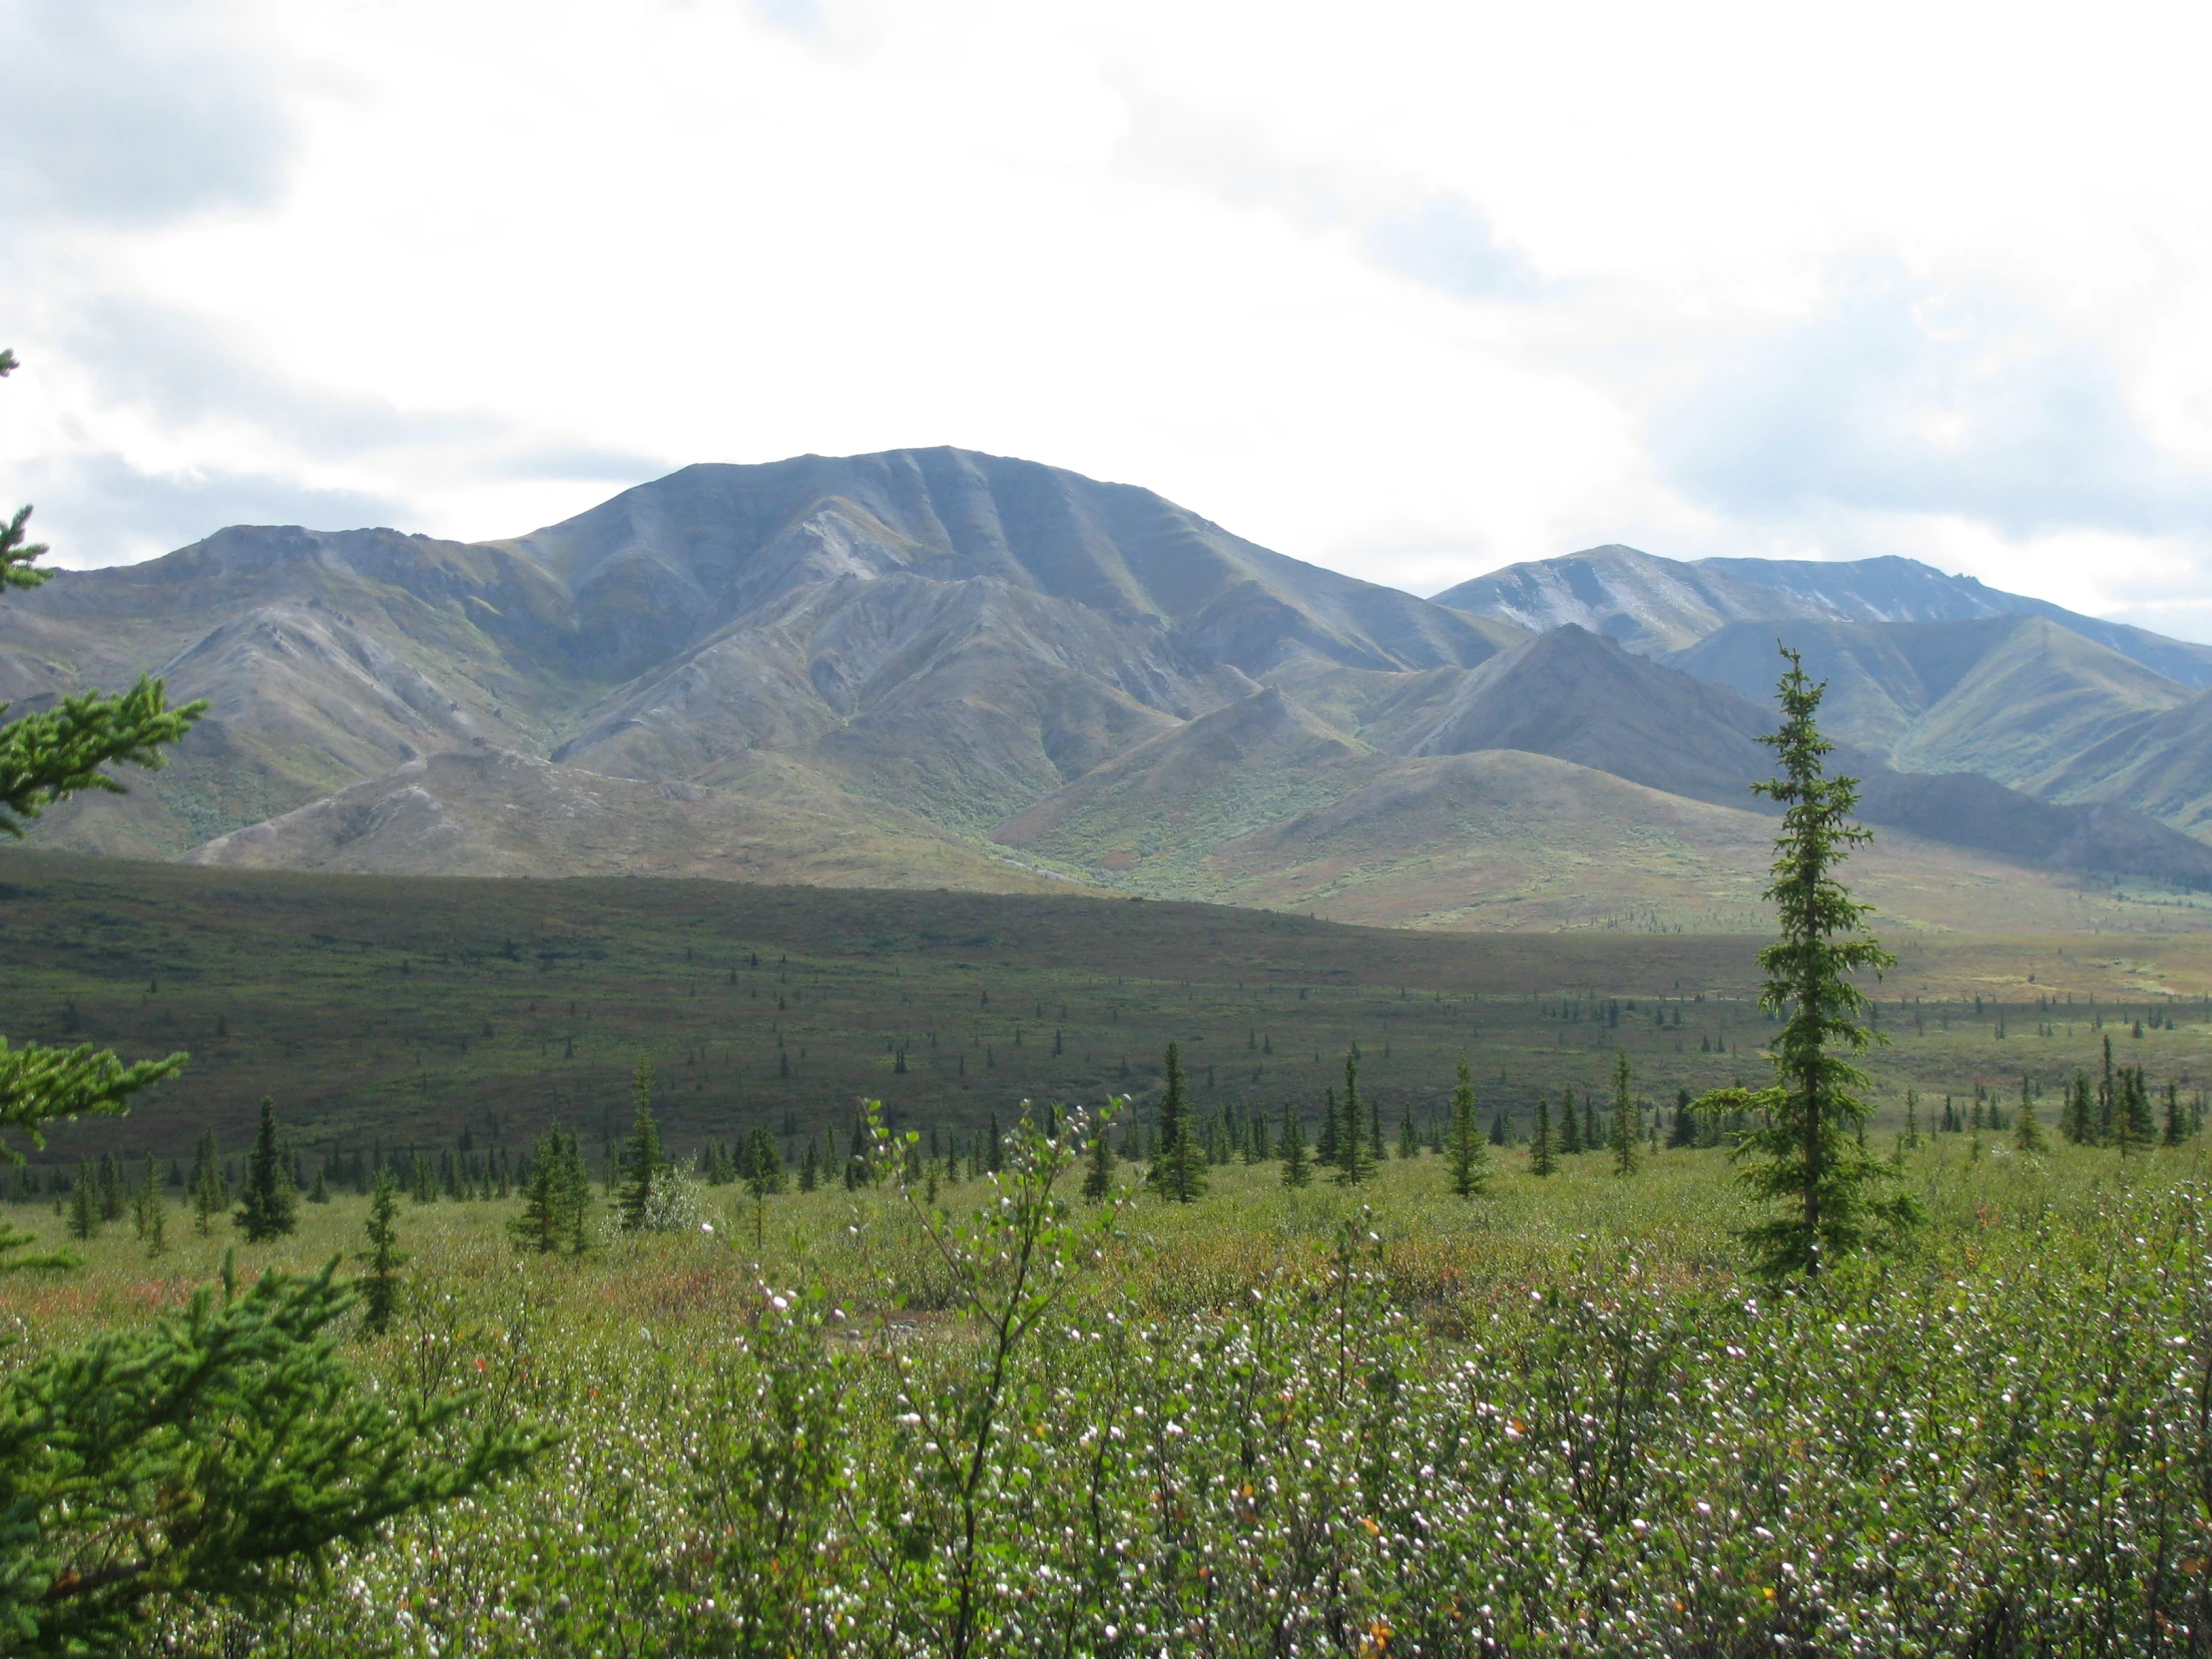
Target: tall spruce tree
column 207, row 1456
column 153, row 1213
column 2135, row 1126
column 1683, row 1131
column 1354, row 1163
column 1628, row 1127
column 1296, row 1171
column 764, row 1165
column 269, row 1208
column 1801, row 1144
column 1540, row 1153
column 1470, row 1153
column 2078, row 1122
column 640, row 1158
column 1098, row 1173
column 1571, row 1122
column 1178, row 1162
column 83, row 1204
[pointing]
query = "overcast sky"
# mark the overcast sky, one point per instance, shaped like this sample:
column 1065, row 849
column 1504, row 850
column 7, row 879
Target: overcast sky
column 1412, row 290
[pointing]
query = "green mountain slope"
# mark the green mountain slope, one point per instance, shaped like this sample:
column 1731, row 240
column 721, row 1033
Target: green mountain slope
column 2006, row 696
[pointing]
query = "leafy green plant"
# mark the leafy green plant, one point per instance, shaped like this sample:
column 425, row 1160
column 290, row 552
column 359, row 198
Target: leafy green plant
column 1012, row 1264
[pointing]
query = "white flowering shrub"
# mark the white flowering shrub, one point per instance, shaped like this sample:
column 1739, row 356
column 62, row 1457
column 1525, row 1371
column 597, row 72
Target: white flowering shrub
column 677, row 1204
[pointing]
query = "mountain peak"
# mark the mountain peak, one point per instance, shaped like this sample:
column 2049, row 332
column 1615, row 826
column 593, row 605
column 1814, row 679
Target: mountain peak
column 1655, row 605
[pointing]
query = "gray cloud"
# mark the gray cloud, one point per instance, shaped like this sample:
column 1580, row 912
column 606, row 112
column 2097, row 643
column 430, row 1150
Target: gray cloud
column 1896, row 400
column 181, row 373
column 181, row 370
column 100, row 510
column 133, row 111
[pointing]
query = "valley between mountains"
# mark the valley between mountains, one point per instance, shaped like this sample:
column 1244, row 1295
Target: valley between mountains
column 941, row 668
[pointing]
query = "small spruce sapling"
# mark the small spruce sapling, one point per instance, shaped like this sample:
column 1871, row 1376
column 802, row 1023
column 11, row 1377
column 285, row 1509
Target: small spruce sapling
column 381, row 1291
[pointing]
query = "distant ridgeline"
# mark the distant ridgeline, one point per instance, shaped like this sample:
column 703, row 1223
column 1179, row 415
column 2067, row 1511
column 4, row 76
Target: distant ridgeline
column 939, row 668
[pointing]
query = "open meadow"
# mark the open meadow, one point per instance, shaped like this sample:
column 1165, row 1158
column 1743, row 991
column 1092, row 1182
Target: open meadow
column 1554, row 1416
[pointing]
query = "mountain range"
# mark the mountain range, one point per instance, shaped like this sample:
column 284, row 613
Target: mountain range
column 937, row 668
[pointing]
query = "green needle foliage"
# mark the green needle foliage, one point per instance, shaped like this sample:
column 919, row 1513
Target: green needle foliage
column 1355, row 1162
column 641, row 1159
column 1179, row 1164
column 49, row 757
column 1628, row 1124
column 1296, row 1172
column 1470, row 1153
column 1541, row 1158
column 200, row 1457
column 44, row 759
column 1571, row 1122
column 556, row 1198
column 1804, row 1147
column 270, row 1208
column 380, row 1295
column 1098, row 1178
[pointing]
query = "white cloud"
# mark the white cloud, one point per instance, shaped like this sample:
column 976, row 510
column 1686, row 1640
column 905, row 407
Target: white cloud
column 1413, row 290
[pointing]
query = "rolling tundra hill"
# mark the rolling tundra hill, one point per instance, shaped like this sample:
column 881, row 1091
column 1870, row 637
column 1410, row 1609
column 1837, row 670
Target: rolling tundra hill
column 1253, row 783
column 936, row 667
column 2159, row 763
column 2006, row 696
column 482, row 811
